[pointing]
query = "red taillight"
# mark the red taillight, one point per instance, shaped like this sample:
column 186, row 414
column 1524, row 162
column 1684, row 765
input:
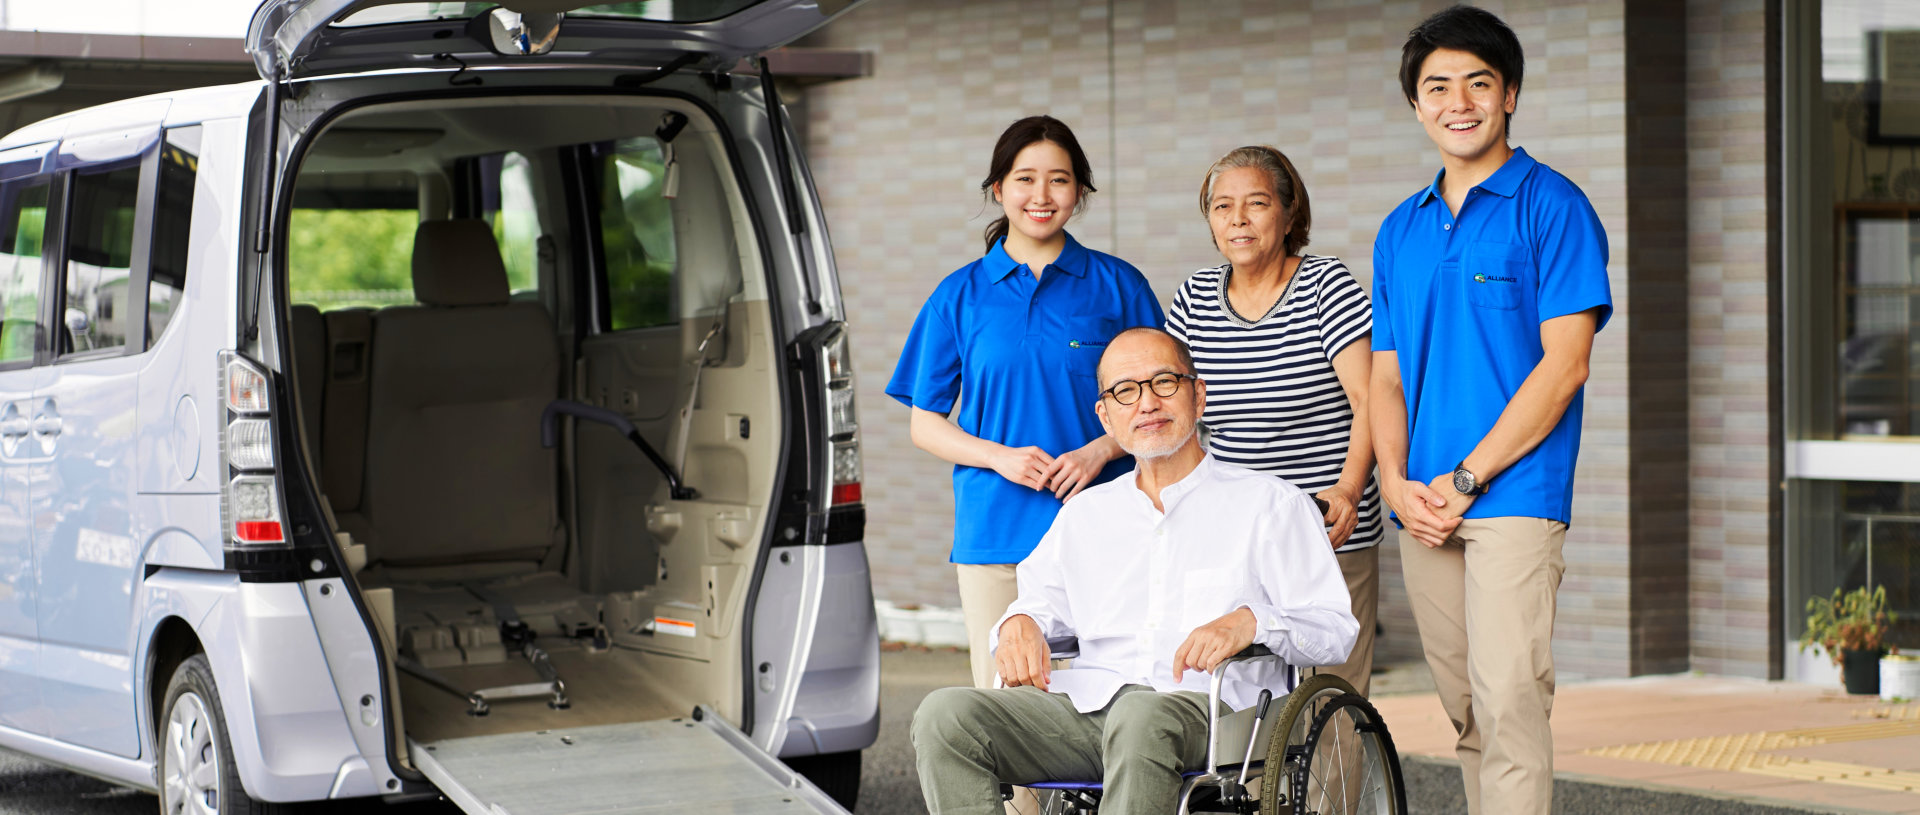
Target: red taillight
column 258, row 532
column 846, row 493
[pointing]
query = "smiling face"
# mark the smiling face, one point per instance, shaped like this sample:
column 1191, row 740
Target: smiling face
column 1039, row 194
column 1462, row 103
column 1155, row 426
column 1249, row 224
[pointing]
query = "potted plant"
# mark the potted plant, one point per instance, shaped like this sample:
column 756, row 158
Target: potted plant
column 1851, row 627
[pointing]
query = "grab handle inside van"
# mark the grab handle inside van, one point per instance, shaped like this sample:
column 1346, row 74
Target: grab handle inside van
column 550, row 437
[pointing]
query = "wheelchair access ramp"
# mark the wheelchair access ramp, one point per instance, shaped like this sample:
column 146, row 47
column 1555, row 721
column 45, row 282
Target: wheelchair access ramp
column 677, row 765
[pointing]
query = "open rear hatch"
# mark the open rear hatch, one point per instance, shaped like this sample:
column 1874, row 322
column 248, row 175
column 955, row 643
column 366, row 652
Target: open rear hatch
column 660, row 764
column 297, row 39
column 677, row 765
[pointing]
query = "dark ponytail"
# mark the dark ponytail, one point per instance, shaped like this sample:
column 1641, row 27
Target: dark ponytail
column 1018, row 137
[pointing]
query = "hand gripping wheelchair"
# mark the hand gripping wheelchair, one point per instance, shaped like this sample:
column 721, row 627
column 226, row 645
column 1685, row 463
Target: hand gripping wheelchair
column 1321, row 750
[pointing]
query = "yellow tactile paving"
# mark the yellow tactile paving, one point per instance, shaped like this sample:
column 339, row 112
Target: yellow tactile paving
column 1755, row 752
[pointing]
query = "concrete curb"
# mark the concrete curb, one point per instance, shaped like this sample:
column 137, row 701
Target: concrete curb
column 1433, row 786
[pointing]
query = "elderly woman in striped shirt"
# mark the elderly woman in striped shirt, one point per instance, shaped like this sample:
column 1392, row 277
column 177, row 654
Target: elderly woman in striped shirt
column 1278, row 337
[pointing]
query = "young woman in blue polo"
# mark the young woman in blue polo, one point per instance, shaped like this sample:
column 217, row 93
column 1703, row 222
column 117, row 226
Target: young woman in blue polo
column 1019, row 332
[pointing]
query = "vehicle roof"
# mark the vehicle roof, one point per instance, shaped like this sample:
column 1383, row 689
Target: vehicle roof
column 169, row 109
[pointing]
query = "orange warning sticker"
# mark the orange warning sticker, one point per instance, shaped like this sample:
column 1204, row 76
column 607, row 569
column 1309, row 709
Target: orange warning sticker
column 673, row 627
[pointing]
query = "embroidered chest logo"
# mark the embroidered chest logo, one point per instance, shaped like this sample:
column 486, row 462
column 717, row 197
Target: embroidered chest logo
column 1483, row 278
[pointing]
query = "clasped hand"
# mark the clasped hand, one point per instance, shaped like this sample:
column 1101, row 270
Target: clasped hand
column 1430, row 511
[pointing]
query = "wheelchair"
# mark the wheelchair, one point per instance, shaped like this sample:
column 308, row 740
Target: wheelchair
column 1321, row 750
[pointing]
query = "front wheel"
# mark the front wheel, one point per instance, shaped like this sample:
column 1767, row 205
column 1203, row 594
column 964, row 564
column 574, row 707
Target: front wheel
column 197, row 774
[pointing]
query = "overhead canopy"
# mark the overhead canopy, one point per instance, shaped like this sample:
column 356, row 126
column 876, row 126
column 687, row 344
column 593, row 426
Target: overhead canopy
column 45, row 74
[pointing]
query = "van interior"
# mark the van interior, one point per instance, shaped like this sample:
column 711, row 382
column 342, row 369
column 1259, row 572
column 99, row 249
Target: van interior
column 455, row 267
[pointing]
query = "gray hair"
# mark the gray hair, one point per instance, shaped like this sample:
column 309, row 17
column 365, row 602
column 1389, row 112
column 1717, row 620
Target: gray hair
column 1287, row 187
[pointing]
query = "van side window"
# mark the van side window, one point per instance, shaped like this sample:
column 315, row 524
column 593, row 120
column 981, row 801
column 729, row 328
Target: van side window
column 99, row 258
column 506, row 202
column 172, row 225
column 350, row 240
column 636, row 234
column 23, row 221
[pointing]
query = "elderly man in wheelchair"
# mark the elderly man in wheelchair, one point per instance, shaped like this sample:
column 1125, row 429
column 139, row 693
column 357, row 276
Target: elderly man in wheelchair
column 1193, row 587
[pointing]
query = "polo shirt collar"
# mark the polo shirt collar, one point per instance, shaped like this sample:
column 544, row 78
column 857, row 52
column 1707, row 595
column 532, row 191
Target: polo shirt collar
column 1504, row 182
column 1073, row 260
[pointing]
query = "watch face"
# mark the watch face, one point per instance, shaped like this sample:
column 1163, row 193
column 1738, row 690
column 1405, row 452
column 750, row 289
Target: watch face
column 1463, row 482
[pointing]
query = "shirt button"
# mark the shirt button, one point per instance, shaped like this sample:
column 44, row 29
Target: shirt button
column 1448, row 227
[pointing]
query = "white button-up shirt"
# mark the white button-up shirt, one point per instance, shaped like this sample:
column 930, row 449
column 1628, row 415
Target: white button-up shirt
column 1131, row 582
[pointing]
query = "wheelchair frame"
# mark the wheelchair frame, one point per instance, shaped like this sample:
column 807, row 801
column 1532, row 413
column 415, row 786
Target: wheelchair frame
column 1251, row 726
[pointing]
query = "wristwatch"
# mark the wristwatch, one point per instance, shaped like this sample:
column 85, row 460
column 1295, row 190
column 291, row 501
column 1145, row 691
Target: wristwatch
column 1464, row 482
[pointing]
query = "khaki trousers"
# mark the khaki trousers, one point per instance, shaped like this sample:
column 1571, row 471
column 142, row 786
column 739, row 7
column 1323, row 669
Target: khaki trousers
column 1362, row 570
column 1484, row 604
column 967, row 741
column 986, row 589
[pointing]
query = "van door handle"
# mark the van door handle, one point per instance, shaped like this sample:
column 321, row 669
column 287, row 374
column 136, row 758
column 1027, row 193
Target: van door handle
column 46, row 423
column 15, row 427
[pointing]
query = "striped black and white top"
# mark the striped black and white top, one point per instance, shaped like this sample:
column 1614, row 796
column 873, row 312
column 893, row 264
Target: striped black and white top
column 1274, row 403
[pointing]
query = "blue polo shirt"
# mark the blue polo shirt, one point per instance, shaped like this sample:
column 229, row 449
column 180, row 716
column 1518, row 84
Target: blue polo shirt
column 1460, row 299
column 1024, row 351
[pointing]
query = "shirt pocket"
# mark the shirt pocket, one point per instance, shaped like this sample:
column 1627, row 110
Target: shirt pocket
column 1500, row 274
column 1207, row 595
column 1085, row 340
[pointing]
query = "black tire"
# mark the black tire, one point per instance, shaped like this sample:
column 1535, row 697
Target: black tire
column 1366, row 783
column 195, row 766
column 836, row 774
column 1290, row 728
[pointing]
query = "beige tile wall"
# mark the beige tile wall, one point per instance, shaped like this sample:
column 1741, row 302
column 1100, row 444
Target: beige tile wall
column 1726, row 137
column 1156, row 90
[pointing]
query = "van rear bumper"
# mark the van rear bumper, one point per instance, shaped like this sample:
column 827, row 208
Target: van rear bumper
column 837, row 706
column 290, row 738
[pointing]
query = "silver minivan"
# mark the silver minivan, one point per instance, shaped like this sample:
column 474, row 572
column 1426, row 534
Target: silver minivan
column 464, row 409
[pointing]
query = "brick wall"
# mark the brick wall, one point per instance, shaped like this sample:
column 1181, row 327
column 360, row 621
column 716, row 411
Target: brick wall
column 1731, row 615
column 1156, row 91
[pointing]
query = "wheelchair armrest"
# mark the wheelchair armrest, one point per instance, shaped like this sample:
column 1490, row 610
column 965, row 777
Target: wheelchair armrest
column 1063, row 647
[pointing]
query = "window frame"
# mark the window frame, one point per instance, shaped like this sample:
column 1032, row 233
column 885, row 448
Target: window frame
column 50, row 231
column 592, row 185
column 54, row 291
column 150, row 198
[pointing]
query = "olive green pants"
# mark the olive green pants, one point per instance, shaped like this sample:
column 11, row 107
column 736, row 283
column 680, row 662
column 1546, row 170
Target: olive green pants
column 968, row 741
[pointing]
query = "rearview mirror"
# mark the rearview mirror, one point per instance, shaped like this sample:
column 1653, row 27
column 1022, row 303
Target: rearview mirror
column 515, row 33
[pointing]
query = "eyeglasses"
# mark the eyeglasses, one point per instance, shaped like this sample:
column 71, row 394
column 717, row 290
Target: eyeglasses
column 1163, row 385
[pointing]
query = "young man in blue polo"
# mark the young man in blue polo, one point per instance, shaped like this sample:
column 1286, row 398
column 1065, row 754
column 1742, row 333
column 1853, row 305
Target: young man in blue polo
column 1488, row 287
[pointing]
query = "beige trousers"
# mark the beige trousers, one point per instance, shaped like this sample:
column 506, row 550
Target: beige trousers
column 986, row 589
column 1484, row 604
column 1362, row 570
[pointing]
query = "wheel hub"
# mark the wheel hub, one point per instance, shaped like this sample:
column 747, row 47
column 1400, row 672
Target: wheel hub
column 191, row 785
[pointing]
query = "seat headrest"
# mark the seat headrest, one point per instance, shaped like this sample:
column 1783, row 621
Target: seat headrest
column 457, row 263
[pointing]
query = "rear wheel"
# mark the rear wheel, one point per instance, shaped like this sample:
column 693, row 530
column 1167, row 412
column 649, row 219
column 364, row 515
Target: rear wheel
column 836, row 774
column 197, row 774
column 1347, row 764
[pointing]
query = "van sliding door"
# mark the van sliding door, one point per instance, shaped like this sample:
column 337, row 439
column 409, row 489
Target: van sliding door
column 24, row 207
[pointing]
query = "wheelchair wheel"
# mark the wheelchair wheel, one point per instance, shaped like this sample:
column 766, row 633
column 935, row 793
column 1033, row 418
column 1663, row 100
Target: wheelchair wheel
column 1298, row 750
column 1347, row 764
